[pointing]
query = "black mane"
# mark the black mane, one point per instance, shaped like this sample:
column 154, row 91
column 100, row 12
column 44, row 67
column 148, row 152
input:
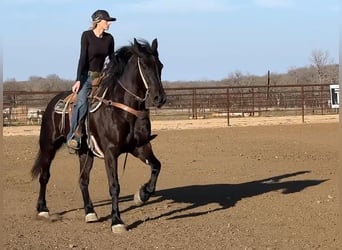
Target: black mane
column 119, row 60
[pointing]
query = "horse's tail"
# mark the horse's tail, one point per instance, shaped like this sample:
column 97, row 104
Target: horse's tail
column 50, row 138
column 36, row 168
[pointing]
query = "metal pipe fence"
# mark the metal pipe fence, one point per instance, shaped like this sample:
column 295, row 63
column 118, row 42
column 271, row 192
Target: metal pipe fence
column 198, row 102
column 230, row 102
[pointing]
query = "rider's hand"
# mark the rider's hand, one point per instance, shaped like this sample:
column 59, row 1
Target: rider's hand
column 76, row 87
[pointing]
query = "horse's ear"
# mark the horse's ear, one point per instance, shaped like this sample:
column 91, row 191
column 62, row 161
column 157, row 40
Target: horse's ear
column 137, row 44
column 137, row 47
column 155, row 44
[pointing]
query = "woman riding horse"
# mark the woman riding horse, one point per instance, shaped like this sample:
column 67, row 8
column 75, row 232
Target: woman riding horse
column 119, row 125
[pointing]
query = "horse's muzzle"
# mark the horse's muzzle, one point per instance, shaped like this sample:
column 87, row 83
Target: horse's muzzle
column 159, row 100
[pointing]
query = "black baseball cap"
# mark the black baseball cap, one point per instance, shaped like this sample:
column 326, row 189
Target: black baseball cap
column 101, row 15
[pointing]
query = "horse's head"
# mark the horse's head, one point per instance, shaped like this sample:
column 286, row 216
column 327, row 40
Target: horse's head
column 149, row 69
column 137, row 70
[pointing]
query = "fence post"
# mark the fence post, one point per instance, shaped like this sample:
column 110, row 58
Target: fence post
column 303, row 103
column 321, row 100
column 194, row 108
column 253, row 102
column 228, row 111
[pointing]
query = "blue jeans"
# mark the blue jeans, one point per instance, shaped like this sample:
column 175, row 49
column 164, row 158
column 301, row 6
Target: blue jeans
column 81, row 106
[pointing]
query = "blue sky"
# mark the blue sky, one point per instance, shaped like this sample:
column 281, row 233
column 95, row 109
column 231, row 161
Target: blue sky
column 198, row 39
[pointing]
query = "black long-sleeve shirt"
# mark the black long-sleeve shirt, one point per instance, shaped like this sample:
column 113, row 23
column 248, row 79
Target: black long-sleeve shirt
column 94, row 51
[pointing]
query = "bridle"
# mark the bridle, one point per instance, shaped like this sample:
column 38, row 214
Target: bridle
column 145, row 84
column 137, row 113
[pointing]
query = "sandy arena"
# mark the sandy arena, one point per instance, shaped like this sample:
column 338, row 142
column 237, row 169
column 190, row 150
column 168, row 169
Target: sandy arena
column 262, row 183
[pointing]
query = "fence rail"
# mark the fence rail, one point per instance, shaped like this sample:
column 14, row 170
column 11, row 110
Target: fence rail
column 198, row 102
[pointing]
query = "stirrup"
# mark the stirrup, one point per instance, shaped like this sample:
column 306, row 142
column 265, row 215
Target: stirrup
column 73, row 144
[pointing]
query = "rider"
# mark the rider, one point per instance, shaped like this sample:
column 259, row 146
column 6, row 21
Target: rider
column 96, row 45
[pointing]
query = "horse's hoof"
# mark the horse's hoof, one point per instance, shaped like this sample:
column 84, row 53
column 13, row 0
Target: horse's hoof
column 119, row 228
column 137, row 199
column 91, row 217
column 43, row 215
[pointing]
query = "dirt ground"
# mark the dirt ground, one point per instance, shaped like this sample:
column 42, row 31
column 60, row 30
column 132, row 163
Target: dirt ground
column 239, row 187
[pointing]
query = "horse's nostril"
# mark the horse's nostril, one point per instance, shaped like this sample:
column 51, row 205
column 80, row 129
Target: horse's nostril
column 159, row 100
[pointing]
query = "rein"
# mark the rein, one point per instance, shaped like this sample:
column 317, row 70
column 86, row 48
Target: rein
column 145, row 83
column 142, row 75
column 134, row 95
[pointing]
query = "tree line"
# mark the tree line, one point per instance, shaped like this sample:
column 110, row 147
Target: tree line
column 321, row 70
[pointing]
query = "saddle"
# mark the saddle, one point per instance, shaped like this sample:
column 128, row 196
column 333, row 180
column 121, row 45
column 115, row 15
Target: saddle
column 66, row 106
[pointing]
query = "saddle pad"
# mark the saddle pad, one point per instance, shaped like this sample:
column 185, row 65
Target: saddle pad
column 92, row 143
column 94, row 147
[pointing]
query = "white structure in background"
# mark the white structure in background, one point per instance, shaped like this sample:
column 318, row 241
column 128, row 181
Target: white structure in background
column 334, row 95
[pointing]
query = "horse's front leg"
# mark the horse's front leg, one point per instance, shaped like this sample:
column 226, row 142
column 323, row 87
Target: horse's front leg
column 145, row 154
column 86, row 164
column 111, row 161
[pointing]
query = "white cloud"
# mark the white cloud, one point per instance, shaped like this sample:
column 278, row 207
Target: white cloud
column 179, row 6
column 274, row 3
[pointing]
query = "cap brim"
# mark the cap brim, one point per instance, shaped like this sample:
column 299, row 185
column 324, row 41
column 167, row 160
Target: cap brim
column 111, row 19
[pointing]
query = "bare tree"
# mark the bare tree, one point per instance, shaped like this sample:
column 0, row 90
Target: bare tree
column 35, row 78
column 236, row 77
column 11, row 80
column 320, row 59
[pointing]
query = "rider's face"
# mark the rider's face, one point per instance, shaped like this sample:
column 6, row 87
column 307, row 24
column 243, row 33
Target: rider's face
column 104, row 24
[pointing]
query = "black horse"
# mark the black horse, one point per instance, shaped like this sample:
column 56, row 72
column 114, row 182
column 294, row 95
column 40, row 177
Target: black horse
column 119, row 124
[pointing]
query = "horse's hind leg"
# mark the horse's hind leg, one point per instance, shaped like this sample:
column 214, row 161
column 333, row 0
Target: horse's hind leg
column 145, row 154
column 86, row 164
column 42, row 164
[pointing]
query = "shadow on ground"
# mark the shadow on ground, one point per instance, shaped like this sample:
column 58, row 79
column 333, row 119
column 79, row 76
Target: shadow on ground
column 225, row 195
